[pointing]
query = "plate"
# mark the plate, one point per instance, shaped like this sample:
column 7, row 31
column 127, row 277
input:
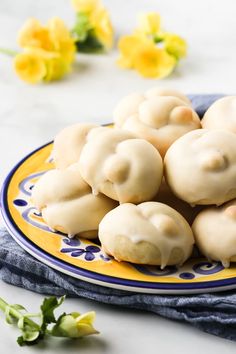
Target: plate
column 84, row 259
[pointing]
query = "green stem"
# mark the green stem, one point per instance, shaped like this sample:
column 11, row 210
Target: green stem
column 17, row 314
column 9, row 52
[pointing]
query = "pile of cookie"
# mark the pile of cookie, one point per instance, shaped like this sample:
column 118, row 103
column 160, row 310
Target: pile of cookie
column 152, row 185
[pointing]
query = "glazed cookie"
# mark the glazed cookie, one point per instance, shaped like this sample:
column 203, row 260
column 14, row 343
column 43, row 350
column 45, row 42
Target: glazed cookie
column 120, row 166
column 160, row 119
column 69, row 143
column 215, row 233
column 200, row 167
column 221, row 115
column 158, row 91
column 149, row 233
column 67, row 203
column 166, row 196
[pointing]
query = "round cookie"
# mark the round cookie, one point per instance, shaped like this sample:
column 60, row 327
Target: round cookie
column 67, row 203
column 166, row 196
column 200, row 167
column 160, row 119
column 221, row 115
column 120, row 166
column 149, row 233
column 215, row 233
column 69, row 143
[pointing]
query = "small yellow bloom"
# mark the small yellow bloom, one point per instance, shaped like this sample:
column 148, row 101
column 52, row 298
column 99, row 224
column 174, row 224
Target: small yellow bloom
column 149, row 23
column 86, row 6
column 152, row 61
column 102, row 27
column 75, row 325
column 30, row 67
column 50, row 47
column 32, row 34
column 175, row 45
column 61, row 39
column 128, row 47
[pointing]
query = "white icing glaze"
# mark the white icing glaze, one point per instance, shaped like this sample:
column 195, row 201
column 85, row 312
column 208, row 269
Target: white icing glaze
column 215, row 233
column 200, row 167
column 161, row 91
column 154, row 223
column 67, row 202
column 69, row 143
column 160, row 116
column 221, row 115
column 120, row 166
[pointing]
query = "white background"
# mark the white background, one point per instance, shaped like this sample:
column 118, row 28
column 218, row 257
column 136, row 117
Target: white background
column 32, row 115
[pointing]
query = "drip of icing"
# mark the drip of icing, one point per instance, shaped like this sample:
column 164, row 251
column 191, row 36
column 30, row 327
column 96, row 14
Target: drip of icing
column 95, row 192
column 225, row 263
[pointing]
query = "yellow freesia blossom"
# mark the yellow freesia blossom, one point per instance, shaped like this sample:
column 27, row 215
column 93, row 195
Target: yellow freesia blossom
column 75, row 325
column 102, row 27
column 93, row 28
column 86, row 6
column 149, row 50
column 33, row 34
column 30, row 67
column 50, row 47
column 152, row 61
column 175, row 45
column 61, row 39
column 149, row 23
column 128, row 47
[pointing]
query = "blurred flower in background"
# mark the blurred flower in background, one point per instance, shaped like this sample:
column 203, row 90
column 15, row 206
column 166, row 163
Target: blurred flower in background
column 93, row 29
column 149, row 50
column 48, row 51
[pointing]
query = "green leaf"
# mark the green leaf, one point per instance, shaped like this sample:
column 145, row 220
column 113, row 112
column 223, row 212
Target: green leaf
column 81, row 27
column 9, row 318
column 47, row 308
column 31, row 336
column 90, row 45
column 30, row 339
column 18, row 307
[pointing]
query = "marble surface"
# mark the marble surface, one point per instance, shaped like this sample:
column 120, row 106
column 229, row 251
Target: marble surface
column 32, row 115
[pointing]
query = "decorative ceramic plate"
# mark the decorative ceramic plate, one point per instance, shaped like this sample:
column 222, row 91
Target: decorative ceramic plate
column 84, row 259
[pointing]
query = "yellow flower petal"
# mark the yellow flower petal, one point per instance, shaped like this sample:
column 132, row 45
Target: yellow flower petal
column 32, row 34
column 149, row 23
column 175, row 45
column 61, row 39
column 152, row 61
column 102, row 26
column 128, row 47
column 56, row 69
column 30, row 67
column 85, row 6
column 85, row 324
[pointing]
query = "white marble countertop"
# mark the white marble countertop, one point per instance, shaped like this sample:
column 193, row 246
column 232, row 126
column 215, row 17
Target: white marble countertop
column 31, row 115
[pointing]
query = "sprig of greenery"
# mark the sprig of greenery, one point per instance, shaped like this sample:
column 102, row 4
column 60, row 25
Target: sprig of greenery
column 73, row 325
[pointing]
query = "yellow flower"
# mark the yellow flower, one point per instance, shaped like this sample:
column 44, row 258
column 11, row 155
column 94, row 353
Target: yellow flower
column 50, row 47
column 86, row 6
column 32, row 34
column 102, row 27
column 61, row 39
column 149, row 23
column 75, row 325
column 30, row 67
column 151, row 61
column 175, row 45
column 128, row 47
